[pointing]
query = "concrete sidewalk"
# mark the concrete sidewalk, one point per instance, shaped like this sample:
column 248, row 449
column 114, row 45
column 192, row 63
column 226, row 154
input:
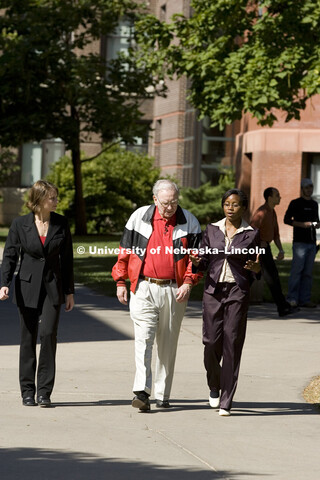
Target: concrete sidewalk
column 92, row 432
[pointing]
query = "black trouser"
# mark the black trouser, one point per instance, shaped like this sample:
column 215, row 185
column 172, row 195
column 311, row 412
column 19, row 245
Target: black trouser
column 224, row 331
column 44, row 320
column 271, row 276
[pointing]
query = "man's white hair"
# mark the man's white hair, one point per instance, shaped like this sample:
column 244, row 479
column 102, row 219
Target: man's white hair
column 164, row 185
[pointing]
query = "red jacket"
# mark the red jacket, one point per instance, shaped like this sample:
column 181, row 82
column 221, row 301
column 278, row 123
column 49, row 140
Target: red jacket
column 186, row 235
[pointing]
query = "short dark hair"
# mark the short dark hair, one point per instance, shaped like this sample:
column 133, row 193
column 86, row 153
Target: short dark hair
column 240, row 193
column 268, row 193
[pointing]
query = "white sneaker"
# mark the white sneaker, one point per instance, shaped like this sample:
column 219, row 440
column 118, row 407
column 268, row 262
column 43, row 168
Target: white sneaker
column 214, row 402
column 224, row 413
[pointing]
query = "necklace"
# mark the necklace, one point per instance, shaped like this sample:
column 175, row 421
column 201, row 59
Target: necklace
column 42, row 227
column 230, row 232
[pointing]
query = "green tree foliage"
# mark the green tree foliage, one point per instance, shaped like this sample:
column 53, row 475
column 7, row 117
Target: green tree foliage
column 114, row 184
column 241, row 55
column 53, row 79
column 205, row 202
column 8, row 165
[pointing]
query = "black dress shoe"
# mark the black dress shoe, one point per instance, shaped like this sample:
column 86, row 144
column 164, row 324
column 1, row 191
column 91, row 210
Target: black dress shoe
column 28, row 402
column 141, row 401
column 163, row 404
column 44, row 401
column 288, row 311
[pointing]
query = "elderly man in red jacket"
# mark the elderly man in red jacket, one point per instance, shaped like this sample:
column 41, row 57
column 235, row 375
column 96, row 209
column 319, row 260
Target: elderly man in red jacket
column 154, row 256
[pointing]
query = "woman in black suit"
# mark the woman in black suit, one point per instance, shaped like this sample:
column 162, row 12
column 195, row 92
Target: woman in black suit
column 44, row 281
column 229, row 252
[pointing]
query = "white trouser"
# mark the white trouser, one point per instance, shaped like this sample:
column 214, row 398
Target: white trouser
column 155, row 313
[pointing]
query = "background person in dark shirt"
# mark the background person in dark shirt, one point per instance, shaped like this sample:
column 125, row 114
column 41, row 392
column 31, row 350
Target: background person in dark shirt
column 302, row 214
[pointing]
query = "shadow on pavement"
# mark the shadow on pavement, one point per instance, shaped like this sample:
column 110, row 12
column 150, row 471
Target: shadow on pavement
column 239, row 409
column 267, row 311
column 175, row 404
column 273, row 409
column 246, row 408
column 264, row 311
column 79, row 325
column 31, row 463
column 98, row 403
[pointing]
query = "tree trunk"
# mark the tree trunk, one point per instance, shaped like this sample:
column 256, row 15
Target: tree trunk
column 80, row 220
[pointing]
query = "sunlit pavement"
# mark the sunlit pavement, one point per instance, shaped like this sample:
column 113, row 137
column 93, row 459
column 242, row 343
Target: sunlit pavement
column 92, row 431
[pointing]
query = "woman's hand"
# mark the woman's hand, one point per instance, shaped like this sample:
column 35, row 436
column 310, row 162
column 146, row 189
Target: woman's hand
column 195, row 260
column 4, row 293
column 69, row 302
column 253, row 266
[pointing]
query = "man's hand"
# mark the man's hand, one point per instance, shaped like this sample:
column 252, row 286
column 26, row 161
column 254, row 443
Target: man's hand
column 4, row 293
column 295, row 223
column 69, row 302
column 122, row 295
column 183, row 293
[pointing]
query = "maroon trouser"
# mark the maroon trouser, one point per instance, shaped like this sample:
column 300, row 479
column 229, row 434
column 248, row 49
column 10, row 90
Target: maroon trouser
column 224, row 330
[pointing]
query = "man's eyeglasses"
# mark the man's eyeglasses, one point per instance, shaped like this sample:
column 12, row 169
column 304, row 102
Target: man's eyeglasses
column 172, row 204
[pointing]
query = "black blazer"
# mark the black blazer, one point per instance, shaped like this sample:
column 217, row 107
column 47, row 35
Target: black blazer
column 50, row 264
column 213, row 241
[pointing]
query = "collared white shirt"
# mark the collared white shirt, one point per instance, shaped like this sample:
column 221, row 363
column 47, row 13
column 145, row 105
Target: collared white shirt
column 226, row 273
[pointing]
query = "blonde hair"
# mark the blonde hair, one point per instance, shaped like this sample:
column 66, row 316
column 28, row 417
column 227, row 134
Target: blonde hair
column 37, row 193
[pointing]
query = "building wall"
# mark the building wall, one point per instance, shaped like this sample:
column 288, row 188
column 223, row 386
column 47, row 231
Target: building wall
column 262, row 156
column 173, row 140
column 276, row 157
column 11, row 203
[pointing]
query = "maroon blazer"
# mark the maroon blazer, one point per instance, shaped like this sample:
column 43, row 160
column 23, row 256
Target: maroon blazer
column 213, row 253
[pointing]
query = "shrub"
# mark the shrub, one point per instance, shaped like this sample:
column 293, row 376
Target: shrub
column 114, row 184
column 205, row 202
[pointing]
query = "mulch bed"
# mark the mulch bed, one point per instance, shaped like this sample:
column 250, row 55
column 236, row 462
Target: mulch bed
column 312, row 392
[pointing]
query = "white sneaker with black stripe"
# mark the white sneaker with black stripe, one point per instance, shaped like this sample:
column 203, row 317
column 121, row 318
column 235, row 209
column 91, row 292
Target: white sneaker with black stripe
column 214, row 399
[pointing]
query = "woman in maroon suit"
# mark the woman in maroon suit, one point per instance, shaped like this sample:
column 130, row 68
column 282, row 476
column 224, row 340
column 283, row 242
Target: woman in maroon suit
column 229, row 252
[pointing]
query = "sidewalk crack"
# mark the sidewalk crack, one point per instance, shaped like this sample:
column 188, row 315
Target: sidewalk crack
column 186, row 450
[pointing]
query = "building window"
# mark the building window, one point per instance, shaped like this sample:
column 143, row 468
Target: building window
column 36, row 159
column 115, row 44
column 311, row 164
column 120, row 40
column 157, row 133
column 118, row 43
column 140, row 143
column 217, row 150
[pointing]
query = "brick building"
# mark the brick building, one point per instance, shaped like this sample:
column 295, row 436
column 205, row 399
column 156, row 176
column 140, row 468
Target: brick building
column 182, row 146
column 279, row 156
column 192, row 151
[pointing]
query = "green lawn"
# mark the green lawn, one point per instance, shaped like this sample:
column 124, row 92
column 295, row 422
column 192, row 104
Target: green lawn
column 3, row 235
column 95, row 270
column 93, row 267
